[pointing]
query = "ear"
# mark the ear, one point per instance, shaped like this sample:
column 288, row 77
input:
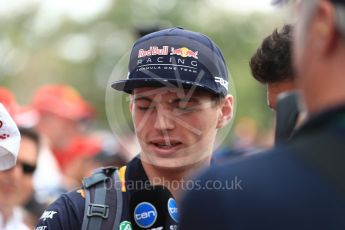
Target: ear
column 226, row 111
column 324, row 28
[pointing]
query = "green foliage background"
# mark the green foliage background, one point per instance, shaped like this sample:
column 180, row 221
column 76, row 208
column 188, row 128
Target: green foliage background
column 31, row 48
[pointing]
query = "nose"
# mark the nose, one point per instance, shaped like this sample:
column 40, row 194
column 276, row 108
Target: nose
column 164, row 120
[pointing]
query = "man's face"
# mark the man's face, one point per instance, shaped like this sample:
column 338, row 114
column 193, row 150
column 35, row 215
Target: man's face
column 16, row 183
column 175, row 129
column 274, row 89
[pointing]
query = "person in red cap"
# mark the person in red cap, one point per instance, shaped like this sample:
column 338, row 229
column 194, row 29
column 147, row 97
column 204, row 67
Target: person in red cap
column 62, row 111
column 77, row 160
column 63, row 116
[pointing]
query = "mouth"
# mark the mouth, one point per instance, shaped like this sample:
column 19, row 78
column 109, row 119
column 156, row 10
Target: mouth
column 164, row 147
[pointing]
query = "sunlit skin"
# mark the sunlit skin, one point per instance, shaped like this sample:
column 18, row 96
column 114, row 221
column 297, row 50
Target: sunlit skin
column 176, row 131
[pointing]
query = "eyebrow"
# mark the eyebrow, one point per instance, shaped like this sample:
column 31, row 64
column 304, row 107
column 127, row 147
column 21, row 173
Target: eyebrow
column 174, row 101
column 142, row 98
column 192, row 99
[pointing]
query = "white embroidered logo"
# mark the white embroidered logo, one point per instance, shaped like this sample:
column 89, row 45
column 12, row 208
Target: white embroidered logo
column 48, row 215
column 222, row 82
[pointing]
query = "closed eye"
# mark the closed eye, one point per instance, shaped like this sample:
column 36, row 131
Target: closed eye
column 144, row 103
column 186, row 106
column 145, row 108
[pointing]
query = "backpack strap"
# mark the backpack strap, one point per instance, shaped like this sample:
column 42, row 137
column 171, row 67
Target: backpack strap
column 103, row 199
column 119, row 203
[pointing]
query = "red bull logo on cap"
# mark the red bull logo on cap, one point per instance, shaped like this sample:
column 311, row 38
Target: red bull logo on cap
column 152, row 51
column 184, row 52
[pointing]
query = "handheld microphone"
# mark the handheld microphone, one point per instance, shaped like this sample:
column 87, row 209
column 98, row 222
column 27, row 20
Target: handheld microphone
column 154, row 208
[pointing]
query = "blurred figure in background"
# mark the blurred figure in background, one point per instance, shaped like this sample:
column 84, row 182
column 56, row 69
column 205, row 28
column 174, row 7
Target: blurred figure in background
column 112, row 152
column 16, row 185
column 64, row 117
column 8, row 100
column 300, row 185
column 77, row 161
column 24, row 116
column 46, row 177
column 245, row 142
column 272, row 65
column 9, row 139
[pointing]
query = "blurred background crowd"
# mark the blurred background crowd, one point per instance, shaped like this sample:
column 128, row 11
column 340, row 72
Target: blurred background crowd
column 56, row 58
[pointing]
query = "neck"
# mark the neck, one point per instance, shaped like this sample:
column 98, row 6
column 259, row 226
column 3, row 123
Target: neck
column 173, row 178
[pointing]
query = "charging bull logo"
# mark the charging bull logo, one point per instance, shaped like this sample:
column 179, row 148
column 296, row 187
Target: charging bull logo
column 3, row 136
column 184, row 52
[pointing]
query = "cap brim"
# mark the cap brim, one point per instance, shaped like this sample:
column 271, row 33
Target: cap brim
column 130, row 84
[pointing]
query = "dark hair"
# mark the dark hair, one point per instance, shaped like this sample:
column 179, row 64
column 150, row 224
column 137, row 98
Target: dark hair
column 31, row 134
column 272, row 61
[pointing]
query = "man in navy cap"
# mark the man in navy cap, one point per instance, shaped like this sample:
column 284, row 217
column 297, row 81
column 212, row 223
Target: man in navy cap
column 178, row 86
column 300, row 185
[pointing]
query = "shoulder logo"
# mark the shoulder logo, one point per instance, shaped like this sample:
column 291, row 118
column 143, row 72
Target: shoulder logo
column 122, row 175
column 145, row 214
column 173, row 210
column 125, row 225
column 222, row 82
column 81, row 192
column 41, row 228
column 48, row 215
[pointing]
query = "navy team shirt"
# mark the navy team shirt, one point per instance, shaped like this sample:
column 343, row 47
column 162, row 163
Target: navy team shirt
column 67, row 212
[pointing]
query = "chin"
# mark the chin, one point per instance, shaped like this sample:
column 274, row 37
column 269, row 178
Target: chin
column 176, row 162
column 162, row 162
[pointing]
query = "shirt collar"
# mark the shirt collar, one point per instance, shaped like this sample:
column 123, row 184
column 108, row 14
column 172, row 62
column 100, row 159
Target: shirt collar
column 136, row 177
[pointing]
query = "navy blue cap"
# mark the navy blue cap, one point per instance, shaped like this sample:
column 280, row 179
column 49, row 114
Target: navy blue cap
column 338, row 1
column 176, row 58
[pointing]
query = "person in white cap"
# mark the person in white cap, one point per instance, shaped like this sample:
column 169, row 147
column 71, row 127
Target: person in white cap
column 9, row 140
